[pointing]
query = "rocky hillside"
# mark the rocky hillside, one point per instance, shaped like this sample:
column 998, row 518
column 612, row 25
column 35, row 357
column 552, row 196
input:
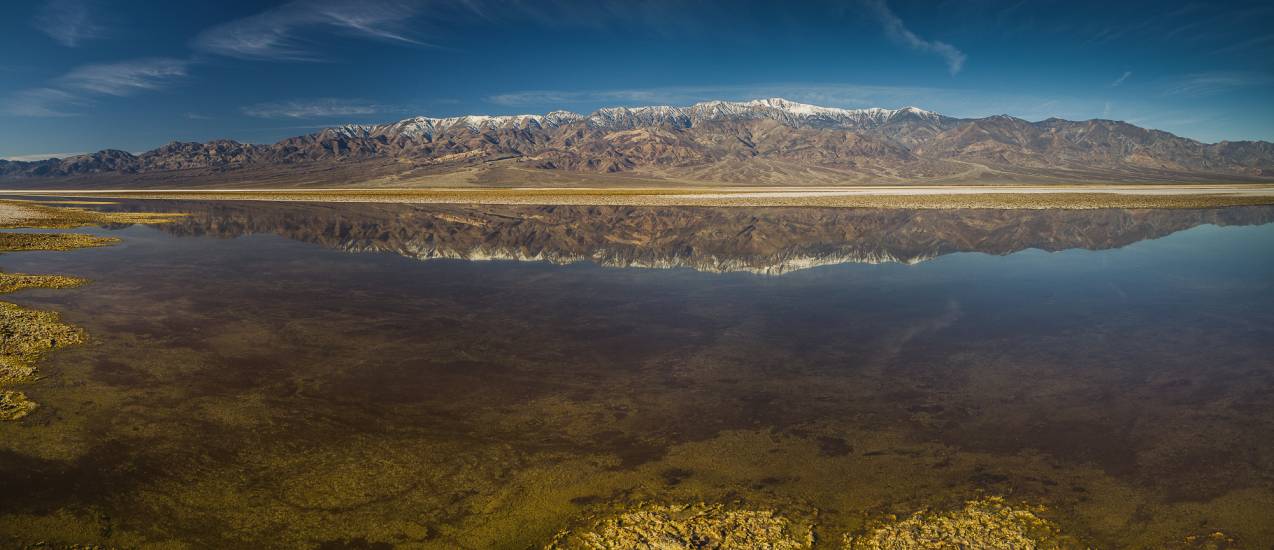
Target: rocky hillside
column 771, row 141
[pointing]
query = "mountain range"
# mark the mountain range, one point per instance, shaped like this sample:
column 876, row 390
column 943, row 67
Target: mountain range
column 760, row 142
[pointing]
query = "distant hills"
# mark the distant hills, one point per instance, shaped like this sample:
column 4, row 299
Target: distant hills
column 760, row 142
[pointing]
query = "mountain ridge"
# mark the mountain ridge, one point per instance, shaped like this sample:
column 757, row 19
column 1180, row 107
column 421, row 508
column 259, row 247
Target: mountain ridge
column 770, row 141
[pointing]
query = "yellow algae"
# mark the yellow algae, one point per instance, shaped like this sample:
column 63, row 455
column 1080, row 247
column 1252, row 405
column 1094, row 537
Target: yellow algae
column 689, row 526
column 12, row 282
column 21, row 242
column 25, row 334
column 14, row 405
column 1215, row 540
column 988, row 523
column 31, row 214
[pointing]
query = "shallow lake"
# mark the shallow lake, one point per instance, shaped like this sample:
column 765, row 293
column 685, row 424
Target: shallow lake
column 357, row 375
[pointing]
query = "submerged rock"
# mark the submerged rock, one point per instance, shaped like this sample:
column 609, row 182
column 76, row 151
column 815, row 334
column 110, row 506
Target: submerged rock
column 985, row 524
column 697, row 526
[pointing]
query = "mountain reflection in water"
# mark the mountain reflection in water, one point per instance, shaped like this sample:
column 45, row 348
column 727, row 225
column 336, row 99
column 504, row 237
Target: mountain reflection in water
column 248, row 383
column 768, row 241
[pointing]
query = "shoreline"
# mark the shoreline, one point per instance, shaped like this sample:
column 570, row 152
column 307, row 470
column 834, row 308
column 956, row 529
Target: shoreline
column 30, row 334
column 903, row 197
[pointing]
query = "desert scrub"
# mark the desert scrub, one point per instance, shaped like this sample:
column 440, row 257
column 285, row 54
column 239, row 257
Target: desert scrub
column 19, row 242
column 687, row 526
column 989, row 523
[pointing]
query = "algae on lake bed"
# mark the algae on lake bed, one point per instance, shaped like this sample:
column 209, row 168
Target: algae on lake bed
column 27, row 334
column 988, row 524
column 13, row 282
column 19, row 213
column 23, row 242
column 688, row 526
column 267, row 393
column 14, row 405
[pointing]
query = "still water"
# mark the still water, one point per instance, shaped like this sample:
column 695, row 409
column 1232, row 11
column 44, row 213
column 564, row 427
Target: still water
column 331, row 375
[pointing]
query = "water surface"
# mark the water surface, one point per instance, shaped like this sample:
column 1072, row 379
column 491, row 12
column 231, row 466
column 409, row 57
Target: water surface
column 350, row 375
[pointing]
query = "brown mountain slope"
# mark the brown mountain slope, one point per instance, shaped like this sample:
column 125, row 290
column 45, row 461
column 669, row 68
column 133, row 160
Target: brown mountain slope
column 772, row 142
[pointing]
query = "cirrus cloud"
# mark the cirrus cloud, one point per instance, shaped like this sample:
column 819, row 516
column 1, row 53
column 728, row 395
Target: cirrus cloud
column 65, row 95
column 126, row 77
column 275, row 34
column 69, row 22
column 898, row 32
column 41, row 102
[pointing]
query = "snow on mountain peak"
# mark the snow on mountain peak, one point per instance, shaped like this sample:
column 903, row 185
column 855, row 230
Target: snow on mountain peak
column 776, row 108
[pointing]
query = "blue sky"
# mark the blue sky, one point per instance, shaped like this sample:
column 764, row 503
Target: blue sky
column 84, row 75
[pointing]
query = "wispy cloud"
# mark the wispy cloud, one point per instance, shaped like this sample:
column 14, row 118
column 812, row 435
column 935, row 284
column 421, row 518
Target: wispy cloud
column 315, row 108
column 1247, row 44
column 1119, row 81
column 41, row 156
column 1211, row 83
column 41, row 102
column 197, row 116
column 897, row 31
column 276, row 34
column 65, row 95
column 69, row 22
column 126, row 77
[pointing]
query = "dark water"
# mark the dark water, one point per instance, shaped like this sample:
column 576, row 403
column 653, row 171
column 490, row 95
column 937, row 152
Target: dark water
column 250, row 382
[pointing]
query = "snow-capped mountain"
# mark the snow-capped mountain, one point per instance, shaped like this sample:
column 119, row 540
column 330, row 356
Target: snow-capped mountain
column 763, row 141
column 623, row 118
